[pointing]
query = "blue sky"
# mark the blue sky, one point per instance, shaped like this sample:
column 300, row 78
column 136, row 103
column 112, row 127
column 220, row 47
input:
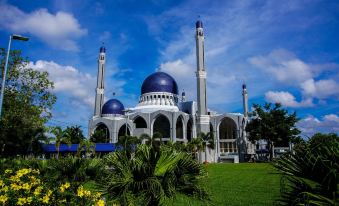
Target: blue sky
column 285, row 51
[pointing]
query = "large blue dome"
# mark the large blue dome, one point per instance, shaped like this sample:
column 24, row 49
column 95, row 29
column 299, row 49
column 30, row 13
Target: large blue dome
column 159, row 82
column 113, row 106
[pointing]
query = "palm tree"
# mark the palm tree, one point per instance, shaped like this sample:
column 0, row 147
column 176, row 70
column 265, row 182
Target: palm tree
column 74, row 134
column 207, row 142
column 60, row 138
column 195, row 146
column 152, row 176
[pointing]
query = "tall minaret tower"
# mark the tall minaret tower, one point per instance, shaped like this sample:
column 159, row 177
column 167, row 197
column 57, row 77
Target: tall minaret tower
column 202, row 116
column 245, row 100
column 99, row 98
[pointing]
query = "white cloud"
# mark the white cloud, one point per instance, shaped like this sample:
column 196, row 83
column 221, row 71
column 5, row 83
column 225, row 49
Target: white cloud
column 233, row 32
column 78, row 86
column 320, row 89
column 183, row 73
column 58, row 30
column 284, row 66
column 286, row 99
column 185, row 76
column 289, row 70
column 310, row 125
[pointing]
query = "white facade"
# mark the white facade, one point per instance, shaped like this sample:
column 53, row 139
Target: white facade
column 159, row 110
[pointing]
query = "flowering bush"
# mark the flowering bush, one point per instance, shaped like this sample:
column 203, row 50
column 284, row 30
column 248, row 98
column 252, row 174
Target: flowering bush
column 24, row 187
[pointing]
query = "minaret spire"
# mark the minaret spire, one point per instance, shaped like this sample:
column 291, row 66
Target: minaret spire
column 245, row 100
column 202, row 116
column 99, row 98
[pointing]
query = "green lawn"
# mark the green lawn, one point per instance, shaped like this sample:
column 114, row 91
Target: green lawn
column 239, row 184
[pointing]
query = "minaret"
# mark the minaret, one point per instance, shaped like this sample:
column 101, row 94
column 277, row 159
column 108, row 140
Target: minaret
column 99, row 98
column 202, row 116
column 245, row 100
column 183, row 96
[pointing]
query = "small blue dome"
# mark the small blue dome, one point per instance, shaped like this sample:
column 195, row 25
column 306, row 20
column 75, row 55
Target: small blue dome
column 159, row 82
column 198, row 24
column 113, row 106
column 102, row 49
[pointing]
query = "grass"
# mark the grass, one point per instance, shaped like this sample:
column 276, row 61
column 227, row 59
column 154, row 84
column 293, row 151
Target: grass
column 239, row 184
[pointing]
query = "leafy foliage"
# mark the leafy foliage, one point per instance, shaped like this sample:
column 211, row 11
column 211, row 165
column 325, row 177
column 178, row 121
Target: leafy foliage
column 74, row 134
column 100, row 135
column 273, row 124
column 27, row 104
column 311, row 172
column 152, row 176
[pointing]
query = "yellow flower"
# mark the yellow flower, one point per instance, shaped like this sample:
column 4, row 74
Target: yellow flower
column 29, row 199
column 4, row 189
column 97, row 195
column 15, row 187
column 37, row 191
column 100, row 203
column 26, row 186
column 67, row 185
column 87, row 193
column 14, row 178
column 80, row 191
column 49, row 192
column 3, row 199
column 45, row 199
column 21, row 201
column 64, row 186
column 2, row 183
column 8, row 171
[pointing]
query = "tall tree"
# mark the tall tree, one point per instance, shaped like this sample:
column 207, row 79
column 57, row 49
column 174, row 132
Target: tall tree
column 273, row 124
column 74, row 134
column 60, row 138
column 27, row 105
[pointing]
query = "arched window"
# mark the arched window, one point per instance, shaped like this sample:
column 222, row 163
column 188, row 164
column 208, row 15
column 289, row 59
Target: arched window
column 123, row 131
column 227, row 129
column 140, row 122
column 179, row 128
column 227, row 136
column 162, row 125
column 100, row 134
column 189, row 130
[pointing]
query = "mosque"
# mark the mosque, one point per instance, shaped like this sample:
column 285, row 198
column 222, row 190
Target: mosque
column 161, row 109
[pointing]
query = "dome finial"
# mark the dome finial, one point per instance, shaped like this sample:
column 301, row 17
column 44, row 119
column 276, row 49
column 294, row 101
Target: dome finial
column 198, row 24
column 102, row 48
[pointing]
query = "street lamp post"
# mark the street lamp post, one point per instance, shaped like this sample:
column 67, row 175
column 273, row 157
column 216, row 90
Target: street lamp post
column 14, row 37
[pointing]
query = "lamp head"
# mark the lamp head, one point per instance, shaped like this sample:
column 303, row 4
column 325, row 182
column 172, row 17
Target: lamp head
column 19, row 37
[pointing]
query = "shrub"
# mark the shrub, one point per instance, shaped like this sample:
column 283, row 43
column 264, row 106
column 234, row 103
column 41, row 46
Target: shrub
column 311, row 173
column 24, row 187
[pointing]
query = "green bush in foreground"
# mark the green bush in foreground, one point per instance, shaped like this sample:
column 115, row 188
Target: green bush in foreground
column 152, row 175
column 311, row 172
